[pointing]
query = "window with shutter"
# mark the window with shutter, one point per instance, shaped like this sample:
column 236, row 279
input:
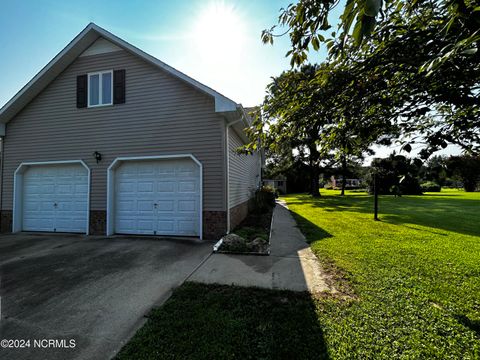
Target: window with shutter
column 100, row 88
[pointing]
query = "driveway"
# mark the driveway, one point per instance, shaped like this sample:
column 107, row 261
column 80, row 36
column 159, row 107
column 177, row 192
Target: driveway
column 87, row 295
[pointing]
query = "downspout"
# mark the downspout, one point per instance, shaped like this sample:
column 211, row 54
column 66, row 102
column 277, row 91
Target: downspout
column 227, row 149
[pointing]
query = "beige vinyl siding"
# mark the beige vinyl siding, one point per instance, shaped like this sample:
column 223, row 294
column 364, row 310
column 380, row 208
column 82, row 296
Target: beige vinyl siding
column 244, row 171
column 162, row 115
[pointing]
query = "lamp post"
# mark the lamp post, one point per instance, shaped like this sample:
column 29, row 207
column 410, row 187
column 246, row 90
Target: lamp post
column 375, row 196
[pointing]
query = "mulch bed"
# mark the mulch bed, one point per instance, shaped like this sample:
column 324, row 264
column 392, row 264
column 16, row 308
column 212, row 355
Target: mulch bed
column 252, row 236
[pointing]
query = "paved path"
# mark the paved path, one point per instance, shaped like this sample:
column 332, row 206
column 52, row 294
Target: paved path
column 291, row 264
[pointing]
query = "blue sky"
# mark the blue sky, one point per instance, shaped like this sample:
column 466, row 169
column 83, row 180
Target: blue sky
column 215, row 41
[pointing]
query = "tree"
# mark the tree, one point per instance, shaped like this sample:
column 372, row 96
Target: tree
column 467, row 168
column 292, row 116
column 435, row 170
column 283, row 162
column 435, row 105
column 396, row 175
column 308, row 20
column 414, row 64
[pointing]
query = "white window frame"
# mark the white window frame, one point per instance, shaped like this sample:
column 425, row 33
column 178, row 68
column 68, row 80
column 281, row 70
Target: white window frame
column 100, row 83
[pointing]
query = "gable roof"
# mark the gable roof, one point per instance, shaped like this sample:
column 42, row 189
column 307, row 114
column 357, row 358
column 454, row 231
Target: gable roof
column 76, row 47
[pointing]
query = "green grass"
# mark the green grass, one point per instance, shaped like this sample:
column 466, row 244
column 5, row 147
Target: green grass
column 226, row 322
column 415, row 276
column 416, row 273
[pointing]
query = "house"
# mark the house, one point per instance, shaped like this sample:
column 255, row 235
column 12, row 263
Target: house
column 278, row 184
column 107, row 139
column 349, row 183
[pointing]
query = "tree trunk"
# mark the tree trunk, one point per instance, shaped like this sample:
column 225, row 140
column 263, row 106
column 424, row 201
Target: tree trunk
column 344, row 174
column 315, row 179
column 314, row 171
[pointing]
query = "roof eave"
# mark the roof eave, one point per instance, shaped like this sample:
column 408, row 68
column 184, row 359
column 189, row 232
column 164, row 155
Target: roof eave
column 79, row 44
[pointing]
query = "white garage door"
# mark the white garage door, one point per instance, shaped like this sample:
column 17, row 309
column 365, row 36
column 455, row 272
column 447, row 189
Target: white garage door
column 157, row 197
column 55, row 198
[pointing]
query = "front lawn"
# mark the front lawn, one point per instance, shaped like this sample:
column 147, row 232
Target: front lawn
column 416, row 273
column 415, row 278
column 227, row 322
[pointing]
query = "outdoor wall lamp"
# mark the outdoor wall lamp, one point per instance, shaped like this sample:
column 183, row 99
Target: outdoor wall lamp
column 97, row 156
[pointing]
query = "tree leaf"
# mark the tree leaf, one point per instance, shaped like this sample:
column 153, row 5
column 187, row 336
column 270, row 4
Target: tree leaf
column 357, row 32
column 372, row 7
column 368, row 25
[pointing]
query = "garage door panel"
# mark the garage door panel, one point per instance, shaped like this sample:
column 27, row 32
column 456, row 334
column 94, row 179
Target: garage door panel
column 166, row 226
column 32, row 224
column 126, row 187
column 165, row 205
column 186, row 226
column 47, row 206
column 187, row 186
column 63, row 185
column 81, row 189
column 126, row 226
column 65, row 189
column 165, row 191
column 125, row 205
column 45, row 189
column 166, row 170
column 145, row 169
column 145, row 187
column 32, row 189
column 165, row 186
column 70, row 225
column 187, row 205
column 145, row 225
column 32, row 206
column 145, row 205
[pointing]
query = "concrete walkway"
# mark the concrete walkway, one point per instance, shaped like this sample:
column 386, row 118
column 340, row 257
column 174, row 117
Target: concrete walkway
column 291, row 264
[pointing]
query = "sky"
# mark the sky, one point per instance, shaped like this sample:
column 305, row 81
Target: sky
column 217, row 42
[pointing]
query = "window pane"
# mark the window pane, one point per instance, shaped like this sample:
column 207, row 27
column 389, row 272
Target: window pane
column 93, row 91
column 107, row 88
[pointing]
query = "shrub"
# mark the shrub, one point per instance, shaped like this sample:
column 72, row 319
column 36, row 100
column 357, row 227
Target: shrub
column 431, row 186
column 265, row 199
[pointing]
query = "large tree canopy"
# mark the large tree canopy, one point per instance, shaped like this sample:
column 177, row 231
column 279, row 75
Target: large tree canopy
column 407, row 66
column 308, row 20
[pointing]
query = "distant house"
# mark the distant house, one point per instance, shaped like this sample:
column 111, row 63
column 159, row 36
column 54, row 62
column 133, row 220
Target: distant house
column 107, row 139
column 277, row 184
column 350, row 183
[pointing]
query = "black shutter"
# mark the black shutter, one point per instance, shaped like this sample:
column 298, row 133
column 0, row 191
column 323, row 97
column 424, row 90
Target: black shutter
column 119, row 86
column 82, row 83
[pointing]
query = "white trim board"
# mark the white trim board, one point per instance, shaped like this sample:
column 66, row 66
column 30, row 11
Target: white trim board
column 18, row 190
column 111, row 185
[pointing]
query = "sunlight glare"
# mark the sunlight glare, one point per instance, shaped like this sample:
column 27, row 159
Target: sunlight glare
column 219, row 27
